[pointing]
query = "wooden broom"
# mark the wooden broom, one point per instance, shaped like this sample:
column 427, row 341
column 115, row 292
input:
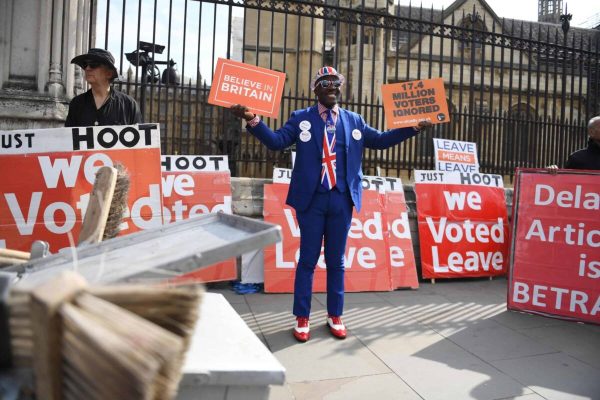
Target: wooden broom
column 86, row 347
column 107, row 204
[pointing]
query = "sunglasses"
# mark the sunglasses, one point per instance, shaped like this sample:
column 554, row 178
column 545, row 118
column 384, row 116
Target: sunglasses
column 92, row 65
column 326, row 83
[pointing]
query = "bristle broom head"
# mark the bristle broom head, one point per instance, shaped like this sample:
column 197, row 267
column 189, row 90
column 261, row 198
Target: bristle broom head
column 118, row 204
column 130, row 354
column 174, row 308
column 21, row 329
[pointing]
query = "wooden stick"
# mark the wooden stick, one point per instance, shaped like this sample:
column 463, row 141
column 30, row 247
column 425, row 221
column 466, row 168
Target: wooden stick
column 46, row 300
column 96, row 215
column 11, row 260
column 23, row 255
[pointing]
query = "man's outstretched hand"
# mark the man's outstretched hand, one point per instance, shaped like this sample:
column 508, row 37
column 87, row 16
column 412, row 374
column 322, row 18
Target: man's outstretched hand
column 423, row 125
column 241, row 111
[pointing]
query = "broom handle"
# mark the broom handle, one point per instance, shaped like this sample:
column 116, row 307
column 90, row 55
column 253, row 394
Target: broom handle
column 8, row 253
column 96, row 215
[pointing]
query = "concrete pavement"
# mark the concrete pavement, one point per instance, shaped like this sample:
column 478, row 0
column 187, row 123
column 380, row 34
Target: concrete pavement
column 449, row 340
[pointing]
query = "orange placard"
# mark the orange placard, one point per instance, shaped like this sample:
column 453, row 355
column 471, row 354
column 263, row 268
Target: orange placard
column 408, row 103
column 257, row 88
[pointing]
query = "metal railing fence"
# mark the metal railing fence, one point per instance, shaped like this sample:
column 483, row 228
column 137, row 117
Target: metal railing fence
column 523, row 91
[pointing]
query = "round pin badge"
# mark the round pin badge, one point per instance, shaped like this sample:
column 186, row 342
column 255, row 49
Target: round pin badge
column 356, row 134
column 305, row 136
column 305, row 125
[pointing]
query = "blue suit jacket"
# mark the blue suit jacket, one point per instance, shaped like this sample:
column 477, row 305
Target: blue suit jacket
column 309, row 149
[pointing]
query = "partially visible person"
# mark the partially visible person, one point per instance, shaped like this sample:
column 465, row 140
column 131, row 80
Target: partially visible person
column 589, row 157
column 101, row 105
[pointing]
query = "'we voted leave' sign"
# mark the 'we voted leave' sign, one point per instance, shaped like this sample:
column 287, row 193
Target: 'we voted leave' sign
column 194, row 186
column 463, row 226
column 379, row 253
column 47, row 176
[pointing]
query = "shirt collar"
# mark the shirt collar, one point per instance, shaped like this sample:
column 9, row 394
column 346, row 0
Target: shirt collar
column 323, row 109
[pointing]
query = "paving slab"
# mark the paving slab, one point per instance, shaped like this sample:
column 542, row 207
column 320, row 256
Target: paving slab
column 573, row 339
column 383, row 386
column 323, row 356
column 376, row 320
column 283, row 392
column 489, row 340
column 437, row 368
column 555, row 376
column 519, row 320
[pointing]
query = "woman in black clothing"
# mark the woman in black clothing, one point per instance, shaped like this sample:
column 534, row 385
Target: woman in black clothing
column 101, row 105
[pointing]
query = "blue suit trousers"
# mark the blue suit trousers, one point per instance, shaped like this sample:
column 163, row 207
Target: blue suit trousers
column 326, row 221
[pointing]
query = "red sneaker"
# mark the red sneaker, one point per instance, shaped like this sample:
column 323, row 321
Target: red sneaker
column 336, row 327
column 302, row 329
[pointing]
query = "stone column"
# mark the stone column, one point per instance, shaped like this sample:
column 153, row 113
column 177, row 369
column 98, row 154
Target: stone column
column 38, row 39
column 44, row 44
column 56, row 86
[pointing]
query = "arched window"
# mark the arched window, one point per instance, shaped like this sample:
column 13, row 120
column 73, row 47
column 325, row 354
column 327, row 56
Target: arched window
column 474, row 33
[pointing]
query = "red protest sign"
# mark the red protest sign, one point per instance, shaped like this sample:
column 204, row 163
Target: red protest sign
column 259, row 89
column 49, row 173
column 408, row 103
column 555, row 264
column 463, row 227
column 192, row 186
column 399, row 241
column 370, row 248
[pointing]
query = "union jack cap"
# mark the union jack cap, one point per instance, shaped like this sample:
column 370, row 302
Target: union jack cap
column 326, row 71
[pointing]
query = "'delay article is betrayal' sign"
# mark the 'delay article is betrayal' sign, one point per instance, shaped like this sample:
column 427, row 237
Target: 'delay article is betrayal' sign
column 555, row 263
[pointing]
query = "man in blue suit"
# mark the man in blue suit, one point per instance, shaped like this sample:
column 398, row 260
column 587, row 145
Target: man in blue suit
column 325, row 185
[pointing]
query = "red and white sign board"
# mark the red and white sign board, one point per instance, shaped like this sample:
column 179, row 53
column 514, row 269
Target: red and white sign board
column 555, row 261
column 47, row 176
column 379, row 255
column 192, row 186
column 463, row 226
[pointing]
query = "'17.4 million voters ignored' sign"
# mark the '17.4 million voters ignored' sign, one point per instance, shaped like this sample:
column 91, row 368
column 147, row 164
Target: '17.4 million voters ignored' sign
column 408, row 103
column 257, row 88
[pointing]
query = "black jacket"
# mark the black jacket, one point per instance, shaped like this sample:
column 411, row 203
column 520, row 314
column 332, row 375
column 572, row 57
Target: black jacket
column 588, row 158
column 119, row 109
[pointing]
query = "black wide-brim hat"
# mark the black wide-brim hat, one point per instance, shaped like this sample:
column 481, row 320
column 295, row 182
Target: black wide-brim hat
column 99, row 56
